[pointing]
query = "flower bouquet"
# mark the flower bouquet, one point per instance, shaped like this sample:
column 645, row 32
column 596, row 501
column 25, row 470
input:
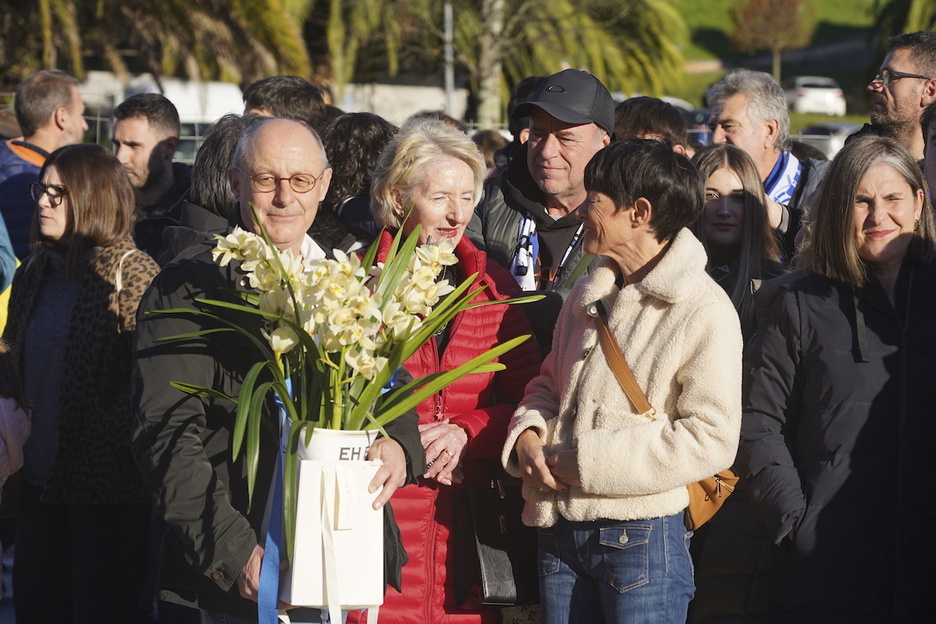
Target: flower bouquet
column 336, row 333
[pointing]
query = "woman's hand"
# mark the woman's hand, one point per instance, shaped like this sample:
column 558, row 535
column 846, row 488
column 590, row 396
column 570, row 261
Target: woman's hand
column 445, row 446
column 774, row 214
column 564, row 467
column 392, row 474
column 534, row 469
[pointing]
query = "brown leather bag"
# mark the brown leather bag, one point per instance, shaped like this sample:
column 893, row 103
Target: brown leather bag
column 706, row 496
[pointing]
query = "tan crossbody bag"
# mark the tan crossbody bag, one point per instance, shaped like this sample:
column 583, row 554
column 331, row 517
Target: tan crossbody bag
column 706, row 496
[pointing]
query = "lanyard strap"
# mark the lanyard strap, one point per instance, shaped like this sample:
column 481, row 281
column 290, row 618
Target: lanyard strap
column 268, row 594
column 528, row 252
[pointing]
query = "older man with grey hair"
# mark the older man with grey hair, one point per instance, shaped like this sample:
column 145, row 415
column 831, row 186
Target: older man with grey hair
column 214, row 546
column 749, row 111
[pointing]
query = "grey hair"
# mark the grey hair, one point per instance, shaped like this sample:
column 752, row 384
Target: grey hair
column 766, row 99
column 39, row 96
column 922, row 46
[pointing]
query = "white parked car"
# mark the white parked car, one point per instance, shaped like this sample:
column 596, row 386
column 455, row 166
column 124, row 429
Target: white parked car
column 828, row 137
column 814, row 94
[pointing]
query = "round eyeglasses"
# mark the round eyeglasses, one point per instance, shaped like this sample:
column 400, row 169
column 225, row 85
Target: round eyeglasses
column 55, row 192
column 887, row 76
column 299, row 183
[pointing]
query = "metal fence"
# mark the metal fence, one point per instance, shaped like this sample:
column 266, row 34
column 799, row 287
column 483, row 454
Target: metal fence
column 100, row 131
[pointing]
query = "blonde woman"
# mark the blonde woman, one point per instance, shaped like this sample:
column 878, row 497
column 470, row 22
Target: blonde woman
column 431, row 175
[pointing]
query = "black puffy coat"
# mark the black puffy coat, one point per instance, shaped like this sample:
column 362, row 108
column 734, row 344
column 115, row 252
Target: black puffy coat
column 838, row 423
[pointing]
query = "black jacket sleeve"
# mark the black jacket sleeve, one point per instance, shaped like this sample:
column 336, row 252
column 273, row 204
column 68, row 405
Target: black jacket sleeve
column 772, row 388
column 181, row 442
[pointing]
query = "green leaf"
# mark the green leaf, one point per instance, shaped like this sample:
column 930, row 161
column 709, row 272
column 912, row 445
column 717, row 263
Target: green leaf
column 200, row 391
column 196, row 334
column 401, row 406
column 370, row 258
column 511, row 301
column 265, row 350
column 442, row 313
column 243, row 415
column 253, row 437
column 402, row 392
column 395, row 265
column 291, row 483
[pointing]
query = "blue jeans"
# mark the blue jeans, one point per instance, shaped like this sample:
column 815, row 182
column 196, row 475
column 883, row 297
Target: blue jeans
column 611, row 571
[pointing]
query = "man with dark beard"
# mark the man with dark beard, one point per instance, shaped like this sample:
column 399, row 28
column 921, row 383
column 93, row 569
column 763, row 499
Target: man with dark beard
column 903, row 88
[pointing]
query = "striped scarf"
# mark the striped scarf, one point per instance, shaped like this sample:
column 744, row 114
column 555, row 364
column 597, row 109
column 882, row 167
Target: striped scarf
column 781, row 183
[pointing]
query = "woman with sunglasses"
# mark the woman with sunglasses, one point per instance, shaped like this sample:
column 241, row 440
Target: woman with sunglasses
column 82, row 531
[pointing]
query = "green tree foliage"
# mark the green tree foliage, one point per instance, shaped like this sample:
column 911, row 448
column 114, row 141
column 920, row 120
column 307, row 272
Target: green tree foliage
column 775, row 25
column 895, row 17
column 236, row 40
column 631, row 45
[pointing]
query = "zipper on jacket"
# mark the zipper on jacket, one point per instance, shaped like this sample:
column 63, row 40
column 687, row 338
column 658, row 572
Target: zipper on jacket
column 902, row 442
column 439, row 413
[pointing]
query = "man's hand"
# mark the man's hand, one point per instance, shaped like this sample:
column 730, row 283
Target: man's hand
column 533, row 467
column 248, row 581
column 392, row 474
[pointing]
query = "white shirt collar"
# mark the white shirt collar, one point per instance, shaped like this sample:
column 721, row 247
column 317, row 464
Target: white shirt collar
column 310, row 250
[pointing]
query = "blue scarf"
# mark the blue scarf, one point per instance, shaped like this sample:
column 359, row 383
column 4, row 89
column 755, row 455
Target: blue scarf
column 781, row 183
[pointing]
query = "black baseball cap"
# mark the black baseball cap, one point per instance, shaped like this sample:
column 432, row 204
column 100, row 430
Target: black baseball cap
column 572, row 96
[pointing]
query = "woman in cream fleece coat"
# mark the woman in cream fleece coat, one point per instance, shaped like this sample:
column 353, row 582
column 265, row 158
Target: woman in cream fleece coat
column 605, row 484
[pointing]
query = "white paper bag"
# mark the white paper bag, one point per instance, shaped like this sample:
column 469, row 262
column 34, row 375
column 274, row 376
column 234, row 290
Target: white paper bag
column 339, row 554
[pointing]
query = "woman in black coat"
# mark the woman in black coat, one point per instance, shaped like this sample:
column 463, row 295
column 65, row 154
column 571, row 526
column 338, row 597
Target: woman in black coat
column 838, row 416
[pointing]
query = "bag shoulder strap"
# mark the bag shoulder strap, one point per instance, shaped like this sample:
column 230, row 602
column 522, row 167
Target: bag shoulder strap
column 118, row 285
column 617, row 362
column 119, row 279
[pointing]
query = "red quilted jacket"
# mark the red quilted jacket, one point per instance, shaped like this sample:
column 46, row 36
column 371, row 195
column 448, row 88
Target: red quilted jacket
column 482, row 404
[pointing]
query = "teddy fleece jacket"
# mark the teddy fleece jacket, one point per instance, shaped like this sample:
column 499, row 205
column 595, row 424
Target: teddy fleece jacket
column 682, row 338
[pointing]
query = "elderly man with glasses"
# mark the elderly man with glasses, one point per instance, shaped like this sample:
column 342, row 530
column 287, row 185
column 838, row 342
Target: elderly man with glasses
column 213, row 549
column 902, row 89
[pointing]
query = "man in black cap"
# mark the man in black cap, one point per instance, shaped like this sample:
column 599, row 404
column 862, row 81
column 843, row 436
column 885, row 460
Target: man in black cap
column 526, row 220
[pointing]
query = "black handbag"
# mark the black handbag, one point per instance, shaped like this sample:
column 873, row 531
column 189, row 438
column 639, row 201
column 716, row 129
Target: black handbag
column 495, row 553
